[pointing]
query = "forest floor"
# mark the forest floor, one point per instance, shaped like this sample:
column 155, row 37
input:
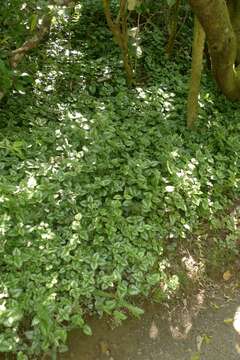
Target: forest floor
column 198, row 328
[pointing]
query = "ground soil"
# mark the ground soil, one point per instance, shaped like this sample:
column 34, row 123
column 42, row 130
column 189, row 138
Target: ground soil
column 196, row 329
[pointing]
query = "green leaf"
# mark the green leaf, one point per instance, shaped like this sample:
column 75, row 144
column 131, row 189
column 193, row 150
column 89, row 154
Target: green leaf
column 5, row 344
column 171, row 2
column 77, row 320
column 134, row 310
column 33, row 23
column 153, row 279
column 87, row 330
column 195, row 356
column 21, row 356
column 119, row 315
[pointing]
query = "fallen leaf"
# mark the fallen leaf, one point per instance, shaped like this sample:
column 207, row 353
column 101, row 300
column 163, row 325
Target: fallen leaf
column 236, row 321
column 207, row 339
column 132, row 4
column 199, row 340
column 195, row 356
column 153, row 331
column 215, row 306
column 104, row 348
column 227, row 275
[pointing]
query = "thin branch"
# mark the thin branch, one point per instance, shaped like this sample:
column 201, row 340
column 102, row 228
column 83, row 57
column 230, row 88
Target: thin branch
column 122, row 10
column 18, row 54
column 108, row 15
column 119, row 30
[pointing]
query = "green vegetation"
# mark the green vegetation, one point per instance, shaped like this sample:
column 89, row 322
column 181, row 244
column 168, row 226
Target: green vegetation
column 103, row 189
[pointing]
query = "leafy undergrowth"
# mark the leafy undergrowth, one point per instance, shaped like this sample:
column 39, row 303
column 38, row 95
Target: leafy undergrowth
column 103, row 187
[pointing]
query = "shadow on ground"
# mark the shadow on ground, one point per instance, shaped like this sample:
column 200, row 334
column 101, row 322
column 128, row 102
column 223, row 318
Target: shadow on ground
column 197, row 330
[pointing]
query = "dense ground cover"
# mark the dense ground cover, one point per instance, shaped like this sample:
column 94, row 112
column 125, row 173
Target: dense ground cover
column 103, row 187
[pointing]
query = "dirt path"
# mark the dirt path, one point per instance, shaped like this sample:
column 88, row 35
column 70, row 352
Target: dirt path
column 201, row 330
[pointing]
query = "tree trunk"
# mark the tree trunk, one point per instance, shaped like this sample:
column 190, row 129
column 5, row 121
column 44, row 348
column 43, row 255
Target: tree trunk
column 222, row 43
column 197, row 57
column 173, row 23
column 234, row 13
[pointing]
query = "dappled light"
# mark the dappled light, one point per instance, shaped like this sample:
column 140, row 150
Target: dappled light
column 109, row 204
column 194, row 270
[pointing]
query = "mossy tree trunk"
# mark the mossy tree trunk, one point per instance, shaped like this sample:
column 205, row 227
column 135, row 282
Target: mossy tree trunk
column 197, row 57
column 234, row 13
column 221, row 35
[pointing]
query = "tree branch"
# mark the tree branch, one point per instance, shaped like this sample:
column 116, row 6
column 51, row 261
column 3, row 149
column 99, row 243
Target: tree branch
column 18, row 54
column 113, row 27
column 120, row 32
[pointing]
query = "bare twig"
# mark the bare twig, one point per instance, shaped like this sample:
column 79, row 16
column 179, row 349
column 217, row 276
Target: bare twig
column 119, row 30
column 18, row 54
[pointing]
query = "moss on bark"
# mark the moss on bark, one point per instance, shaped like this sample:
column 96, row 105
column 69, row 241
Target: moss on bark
column 222, row 43
column 234, row 13
column 197, row 57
